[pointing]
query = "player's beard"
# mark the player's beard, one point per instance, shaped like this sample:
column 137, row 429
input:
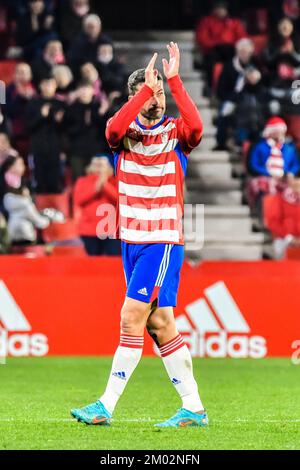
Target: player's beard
column 153, row 113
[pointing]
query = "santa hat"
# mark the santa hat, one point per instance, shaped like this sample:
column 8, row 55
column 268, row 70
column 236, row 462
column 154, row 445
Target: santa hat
column 273, row 124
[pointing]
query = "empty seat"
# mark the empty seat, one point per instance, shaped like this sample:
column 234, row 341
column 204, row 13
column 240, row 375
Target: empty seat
column 60, row 231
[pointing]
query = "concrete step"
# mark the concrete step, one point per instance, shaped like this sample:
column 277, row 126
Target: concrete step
column 207, row 143
column 153, row 35
column 137, row 54
column 226, row 252
column 218, row 238
column 216, row 171
column 207, row 114
column 213, row 184
column 227, row 226
column 195, row 90
column 215, row 197
column 226, row 211
column 209, row 156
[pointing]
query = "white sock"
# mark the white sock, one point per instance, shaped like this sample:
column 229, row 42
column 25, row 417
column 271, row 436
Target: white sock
column 126, row 358
column 178, row 363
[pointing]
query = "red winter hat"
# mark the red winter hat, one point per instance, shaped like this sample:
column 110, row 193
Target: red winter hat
column 274, row 123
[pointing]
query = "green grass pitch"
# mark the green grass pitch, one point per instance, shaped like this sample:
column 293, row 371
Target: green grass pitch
column 252, row 404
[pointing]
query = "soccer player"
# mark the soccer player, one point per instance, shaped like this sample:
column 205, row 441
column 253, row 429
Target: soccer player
column 150, row 151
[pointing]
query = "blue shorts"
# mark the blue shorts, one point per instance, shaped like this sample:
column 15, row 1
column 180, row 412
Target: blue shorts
column 152, row 271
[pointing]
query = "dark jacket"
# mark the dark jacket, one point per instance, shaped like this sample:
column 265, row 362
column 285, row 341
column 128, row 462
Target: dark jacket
column 85, row 128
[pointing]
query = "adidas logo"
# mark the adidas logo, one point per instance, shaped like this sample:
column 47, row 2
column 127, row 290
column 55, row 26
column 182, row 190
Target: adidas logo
column 12, row 319
column 175, row 381
column 143, row 291
column 120, row 375
column 214, row 326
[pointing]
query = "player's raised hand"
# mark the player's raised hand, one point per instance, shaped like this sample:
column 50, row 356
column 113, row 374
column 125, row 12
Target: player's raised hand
column 171, row 68
column 151, row 73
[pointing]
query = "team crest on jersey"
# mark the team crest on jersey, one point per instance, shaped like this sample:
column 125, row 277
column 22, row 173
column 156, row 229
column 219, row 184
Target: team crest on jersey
column 134, row 135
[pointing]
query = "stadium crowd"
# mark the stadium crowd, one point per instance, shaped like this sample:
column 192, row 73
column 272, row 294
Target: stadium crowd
column 254, row 79
column 66, row 83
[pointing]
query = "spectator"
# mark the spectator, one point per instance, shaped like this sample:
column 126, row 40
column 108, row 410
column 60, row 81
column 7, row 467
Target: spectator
column 269, row 161
column 19, row 93
column 112, row 72
column 53, row 55
column 97, row 188
column 232, row 82
column 217, row 35
column 90, row 74
column 5, row 148
column 23, row 217
column 283, row 59
column 252, row 107
column 85, row 124
column 34, row 28
column 84, row 48
column 4, row 127
column 44, row 117
column 64, row 81
column 70, row 17
column 4, row 241
column 283, row 217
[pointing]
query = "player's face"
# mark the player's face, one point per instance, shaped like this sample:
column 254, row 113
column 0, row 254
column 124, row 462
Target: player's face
column 155, row 107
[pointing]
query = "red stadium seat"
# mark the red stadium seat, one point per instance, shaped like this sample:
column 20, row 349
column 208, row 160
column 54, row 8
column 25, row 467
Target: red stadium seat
column 293, row 252
column 293, row 125
column 268, row 202
column 60, row 231
column 56, row 201
column 77, row 250
column 7, row 70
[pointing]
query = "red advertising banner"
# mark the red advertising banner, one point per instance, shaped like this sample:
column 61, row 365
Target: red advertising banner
column 70, row 306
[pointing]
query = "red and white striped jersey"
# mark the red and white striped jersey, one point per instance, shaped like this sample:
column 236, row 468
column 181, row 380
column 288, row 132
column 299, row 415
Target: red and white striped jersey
column 150, row 165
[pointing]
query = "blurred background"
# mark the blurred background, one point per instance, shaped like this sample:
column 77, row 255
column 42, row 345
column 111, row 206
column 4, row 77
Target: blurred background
column 65, row 65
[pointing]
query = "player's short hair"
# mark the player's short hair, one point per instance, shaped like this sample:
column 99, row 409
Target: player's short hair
column 137, row 77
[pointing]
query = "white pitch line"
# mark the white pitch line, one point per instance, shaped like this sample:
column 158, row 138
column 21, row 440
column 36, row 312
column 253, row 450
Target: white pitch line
column 144, row 420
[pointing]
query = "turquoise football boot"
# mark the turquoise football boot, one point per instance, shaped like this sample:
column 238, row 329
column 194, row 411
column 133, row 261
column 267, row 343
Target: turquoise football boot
column 96, row 413
column 185, row 418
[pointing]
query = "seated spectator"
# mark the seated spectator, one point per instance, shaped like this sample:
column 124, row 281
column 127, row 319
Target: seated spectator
column 84, row 48
column 97, row 188
column 232, row 82
column 64, row 81
column 112, row 72
column 23, row 217
column 34, row 28
column 85, row 125
column 19, row 93
column 283, row 59
column 283, row 217
column 270, row 160
column 70, row 16
column 44, row 117
column 53, row 54
column 251, row 107
column 5, row 148
column 216, row 35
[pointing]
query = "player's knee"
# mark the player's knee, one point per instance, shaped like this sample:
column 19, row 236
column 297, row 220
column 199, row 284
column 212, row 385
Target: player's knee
column 132, row 320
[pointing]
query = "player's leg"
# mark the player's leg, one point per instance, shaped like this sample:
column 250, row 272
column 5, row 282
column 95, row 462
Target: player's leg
column 174, row 352
column 134, row 316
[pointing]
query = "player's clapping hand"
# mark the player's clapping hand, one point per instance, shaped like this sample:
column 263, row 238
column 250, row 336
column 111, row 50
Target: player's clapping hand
column 171, row 68
column 151, row 73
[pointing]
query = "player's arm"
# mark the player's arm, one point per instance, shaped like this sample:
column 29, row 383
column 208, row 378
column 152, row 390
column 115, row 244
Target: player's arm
column 190, row 125
column 119, row 123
